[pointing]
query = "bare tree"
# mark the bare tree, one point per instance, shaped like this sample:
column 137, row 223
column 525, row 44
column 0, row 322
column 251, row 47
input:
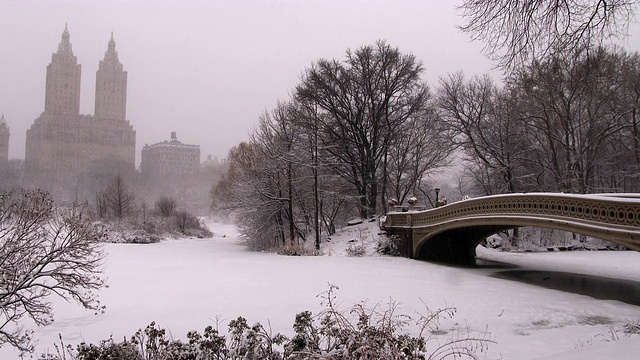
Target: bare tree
column 624, row 172
column 97, row 175
column 118, row 198
column 421, row 146
column 43, row 251
column 572, row 110
column 250, row 190
column 276, row 138
column 100, row 204
column 165, row 206
column 185, row 221
column 365, row 98
column 515, row 32
column 484, row 122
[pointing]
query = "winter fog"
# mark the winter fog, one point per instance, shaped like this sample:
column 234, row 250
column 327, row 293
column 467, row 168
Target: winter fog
column 188, row 162
column 208, row 69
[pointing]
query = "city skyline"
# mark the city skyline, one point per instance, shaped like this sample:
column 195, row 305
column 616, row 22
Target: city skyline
column 210, row 69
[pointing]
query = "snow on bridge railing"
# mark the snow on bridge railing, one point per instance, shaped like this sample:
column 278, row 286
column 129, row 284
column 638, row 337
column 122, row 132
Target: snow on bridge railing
column 611, row 209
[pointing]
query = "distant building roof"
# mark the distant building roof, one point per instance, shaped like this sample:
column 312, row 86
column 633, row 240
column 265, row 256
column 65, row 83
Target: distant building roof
column 168, row 143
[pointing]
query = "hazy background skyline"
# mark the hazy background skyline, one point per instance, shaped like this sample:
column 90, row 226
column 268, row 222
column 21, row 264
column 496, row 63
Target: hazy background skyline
column 209, row 69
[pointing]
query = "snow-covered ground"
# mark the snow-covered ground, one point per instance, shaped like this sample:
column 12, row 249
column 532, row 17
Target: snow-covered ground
column 186, row 284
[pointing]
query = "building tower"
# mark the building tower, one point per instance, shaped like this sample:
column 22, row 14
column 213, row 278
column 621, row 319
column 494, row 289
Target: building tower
column 4, row 140
column 62, row 94
column 63, row 146
column 111, row 86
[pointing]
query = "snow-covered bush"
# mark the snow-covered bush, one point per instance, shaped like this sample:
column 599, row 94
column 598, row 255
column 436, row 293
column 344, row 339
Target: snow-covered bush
column 108, row 349
column 359, row 332
column 165, row 206
column 374, row 332
column 126, row 233
column 189, row 225
column 298, row 250
column 153, row 229
column 355, row 248
column 631, row 328
column 389, row 245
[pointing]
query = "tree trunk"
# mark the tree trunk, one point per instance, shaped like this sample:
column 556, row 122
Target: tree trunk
column 290, row 204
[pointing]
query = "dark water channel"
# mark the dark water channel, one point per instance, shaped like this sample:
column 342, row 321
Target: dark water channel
column 595, row 286
column 604, row 288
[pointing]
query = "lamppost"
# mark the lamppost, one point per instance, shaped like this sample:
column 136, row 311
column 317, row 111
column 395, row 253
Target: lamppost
column 437, row 190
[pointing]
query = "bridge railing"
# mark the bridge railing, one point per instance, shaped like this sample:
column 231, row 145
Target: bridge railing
column 611, row 209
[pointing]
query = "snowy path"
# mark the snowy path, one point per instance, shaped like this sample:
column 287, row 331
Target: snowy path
column 185, row 284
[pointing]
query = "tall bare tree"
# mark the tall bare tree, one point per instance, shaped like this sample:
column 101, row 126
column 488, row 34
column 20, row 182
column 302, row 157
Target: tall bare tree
column 516, row 32
column 276, row 139
column 421, row 146
column 366, row 97
column 483, row 121
column 119, row 199
column 572, row 110
column 252, row 190
column 624, row 172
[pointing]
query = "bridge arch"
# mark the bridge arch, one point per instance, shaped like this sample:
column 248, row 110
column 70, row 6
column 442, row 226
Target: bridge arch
column 451, row 233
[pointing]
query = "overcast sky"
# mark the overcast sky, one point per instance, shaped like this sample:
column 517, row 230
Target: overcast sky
column 208, row 69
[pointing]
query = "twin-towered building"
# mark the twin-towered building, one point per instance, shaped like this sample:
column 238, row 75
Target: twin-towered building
column 62, row 143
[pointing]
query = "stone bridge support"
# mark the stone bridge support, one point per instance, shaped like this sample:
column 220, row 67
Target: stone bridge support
column 451, row 233
column 456, row 246
column 404, row 240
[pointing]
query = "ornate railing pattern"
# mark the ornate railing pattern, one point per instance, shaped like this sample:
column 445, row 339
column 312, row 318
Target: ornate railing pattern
column 618, row 212
column 604, row 209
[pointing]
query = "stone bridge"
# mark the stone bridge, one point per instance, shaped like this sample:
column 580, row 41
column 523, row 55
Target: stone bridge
column 451, row 233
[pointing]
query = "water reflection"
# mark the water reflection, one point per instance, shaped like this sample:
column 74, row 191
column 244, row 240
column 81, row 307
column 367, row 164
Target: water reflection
column 598, row 287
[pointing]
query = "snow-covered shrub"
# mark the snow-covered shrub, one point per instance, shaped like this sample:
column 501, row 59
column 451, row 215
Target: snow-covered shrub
column 186, row 221
column 389, row 245
column 355, row 248
column 153, row 343
column 153, row 229
column 108, row 349
column 373, row 332
column 126, row 233
column 631, row 328
column 359, row 332
column 298, row 250
column 165, row 206
column 140, row 237
column 254, row 342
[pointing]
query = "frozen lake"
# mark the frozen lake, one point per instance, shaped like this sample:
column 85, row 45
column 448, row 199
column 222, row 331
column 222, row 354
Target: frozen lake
column 186, row 284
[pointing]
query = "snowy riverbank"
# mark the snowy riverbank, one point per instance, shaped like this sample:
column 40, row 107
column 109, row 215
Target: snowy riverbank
column 186, row 284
